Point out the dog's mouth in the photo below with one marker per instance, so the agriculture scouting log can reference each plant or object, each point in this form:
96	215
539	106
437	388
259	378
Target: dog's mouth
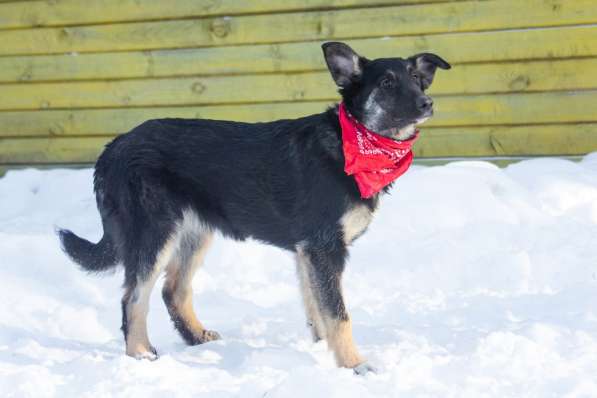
407	130
422	119
425	116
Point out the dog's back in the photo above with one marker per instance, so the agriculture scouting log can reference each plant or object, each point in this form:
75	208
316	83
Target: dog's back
261	180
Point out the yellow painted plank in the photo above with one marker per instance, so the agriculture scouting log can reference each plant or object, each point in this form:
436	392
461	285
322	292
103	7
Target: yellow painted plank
320	25
45	150
571	139
530	108
77	12
57	123
115	121
464	79
562	42
178	91
467	110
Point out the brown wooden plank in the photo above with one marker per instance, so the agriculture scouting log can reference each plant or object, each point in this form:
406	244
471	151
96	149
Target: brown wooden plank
321	25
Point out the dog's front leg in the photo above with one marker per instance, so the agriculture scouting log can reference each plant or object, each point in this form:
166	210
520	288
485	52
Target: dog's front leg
320	268
314	319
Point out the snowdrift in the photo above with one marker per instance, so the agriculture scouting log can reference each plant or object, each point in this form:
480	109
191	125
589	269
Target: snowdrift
472	281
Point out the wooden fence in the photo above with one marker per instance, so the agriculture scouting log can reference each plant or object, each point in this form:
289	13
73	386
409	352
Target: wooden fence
75	73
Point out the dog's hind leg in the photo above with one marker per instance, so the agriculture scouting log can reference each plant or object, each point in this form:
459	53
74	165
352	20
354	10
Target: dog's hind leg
194	240
135	306
323	265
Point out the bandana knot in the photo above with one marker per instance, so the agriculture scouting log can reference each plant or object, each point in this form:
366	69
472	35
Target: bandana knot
373	160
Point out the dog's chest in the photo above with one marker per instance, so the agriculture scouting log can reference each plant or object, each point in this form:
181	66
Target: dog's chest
355	221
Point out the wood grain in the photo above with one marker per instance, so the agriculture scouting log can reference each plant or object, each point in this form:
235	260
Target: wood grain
76	12
466	16
573	139
553	43
467	110
465	79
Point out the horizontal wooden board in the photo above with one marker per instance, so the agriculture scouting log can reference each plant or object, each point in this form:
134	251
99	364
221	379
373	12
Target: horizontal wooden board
469	110
562	42
572	139
464	79
76	12
529	108
320	25
569	139
55	150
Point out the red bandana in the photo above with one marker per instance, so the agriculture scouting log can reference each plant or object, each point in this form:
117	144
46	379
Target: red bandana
374	160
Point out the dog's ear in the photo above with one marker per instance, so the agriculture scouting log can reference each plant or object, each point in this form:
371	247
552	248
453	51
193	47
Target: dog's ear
345	65
425	64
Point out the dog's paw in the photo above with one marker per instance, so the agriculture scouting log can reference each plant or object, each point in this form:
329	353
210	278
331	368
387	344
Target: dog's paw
150	355
211	335
206	336
364	368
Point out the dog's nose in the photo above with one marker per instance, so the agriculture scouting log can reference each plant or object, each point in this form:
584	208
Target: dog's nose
424	103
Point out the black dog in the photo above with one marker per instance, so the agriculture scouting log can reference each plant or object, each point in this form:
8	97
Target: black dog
163	189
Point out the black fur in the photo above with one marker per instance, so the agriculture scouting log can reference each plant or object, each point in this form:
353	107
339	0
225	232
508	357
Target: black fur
180	325
124	303
385	94
91	257
277	182
328	257
281	182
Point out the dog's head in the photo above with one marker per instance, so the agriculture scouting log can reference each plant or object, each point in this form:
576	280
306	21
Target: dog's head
387	95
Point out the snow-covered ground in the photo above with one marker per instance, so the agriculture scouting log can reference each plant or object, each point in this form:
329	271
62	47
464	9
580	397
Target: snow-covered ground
473	281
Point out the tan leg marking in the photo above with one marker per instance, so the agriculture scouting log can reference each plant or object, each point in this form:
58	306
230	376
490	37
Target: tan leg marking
194	240
314	319
337	332
137	341
340	341
178	285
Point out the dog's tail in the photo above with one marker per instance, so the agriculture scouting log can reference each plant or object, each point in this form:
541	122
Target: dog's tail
92	257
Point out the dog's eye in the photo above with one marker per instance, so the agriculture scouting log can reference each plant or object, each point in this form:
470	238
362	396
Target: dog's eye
415	76
387	82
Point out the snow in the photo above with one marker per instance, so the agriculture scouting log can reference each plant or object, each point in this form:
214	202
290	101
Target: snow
472	281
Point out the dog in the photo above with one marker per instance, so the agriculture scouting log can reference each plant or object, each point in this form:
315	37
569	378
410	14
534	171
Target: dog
166	186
